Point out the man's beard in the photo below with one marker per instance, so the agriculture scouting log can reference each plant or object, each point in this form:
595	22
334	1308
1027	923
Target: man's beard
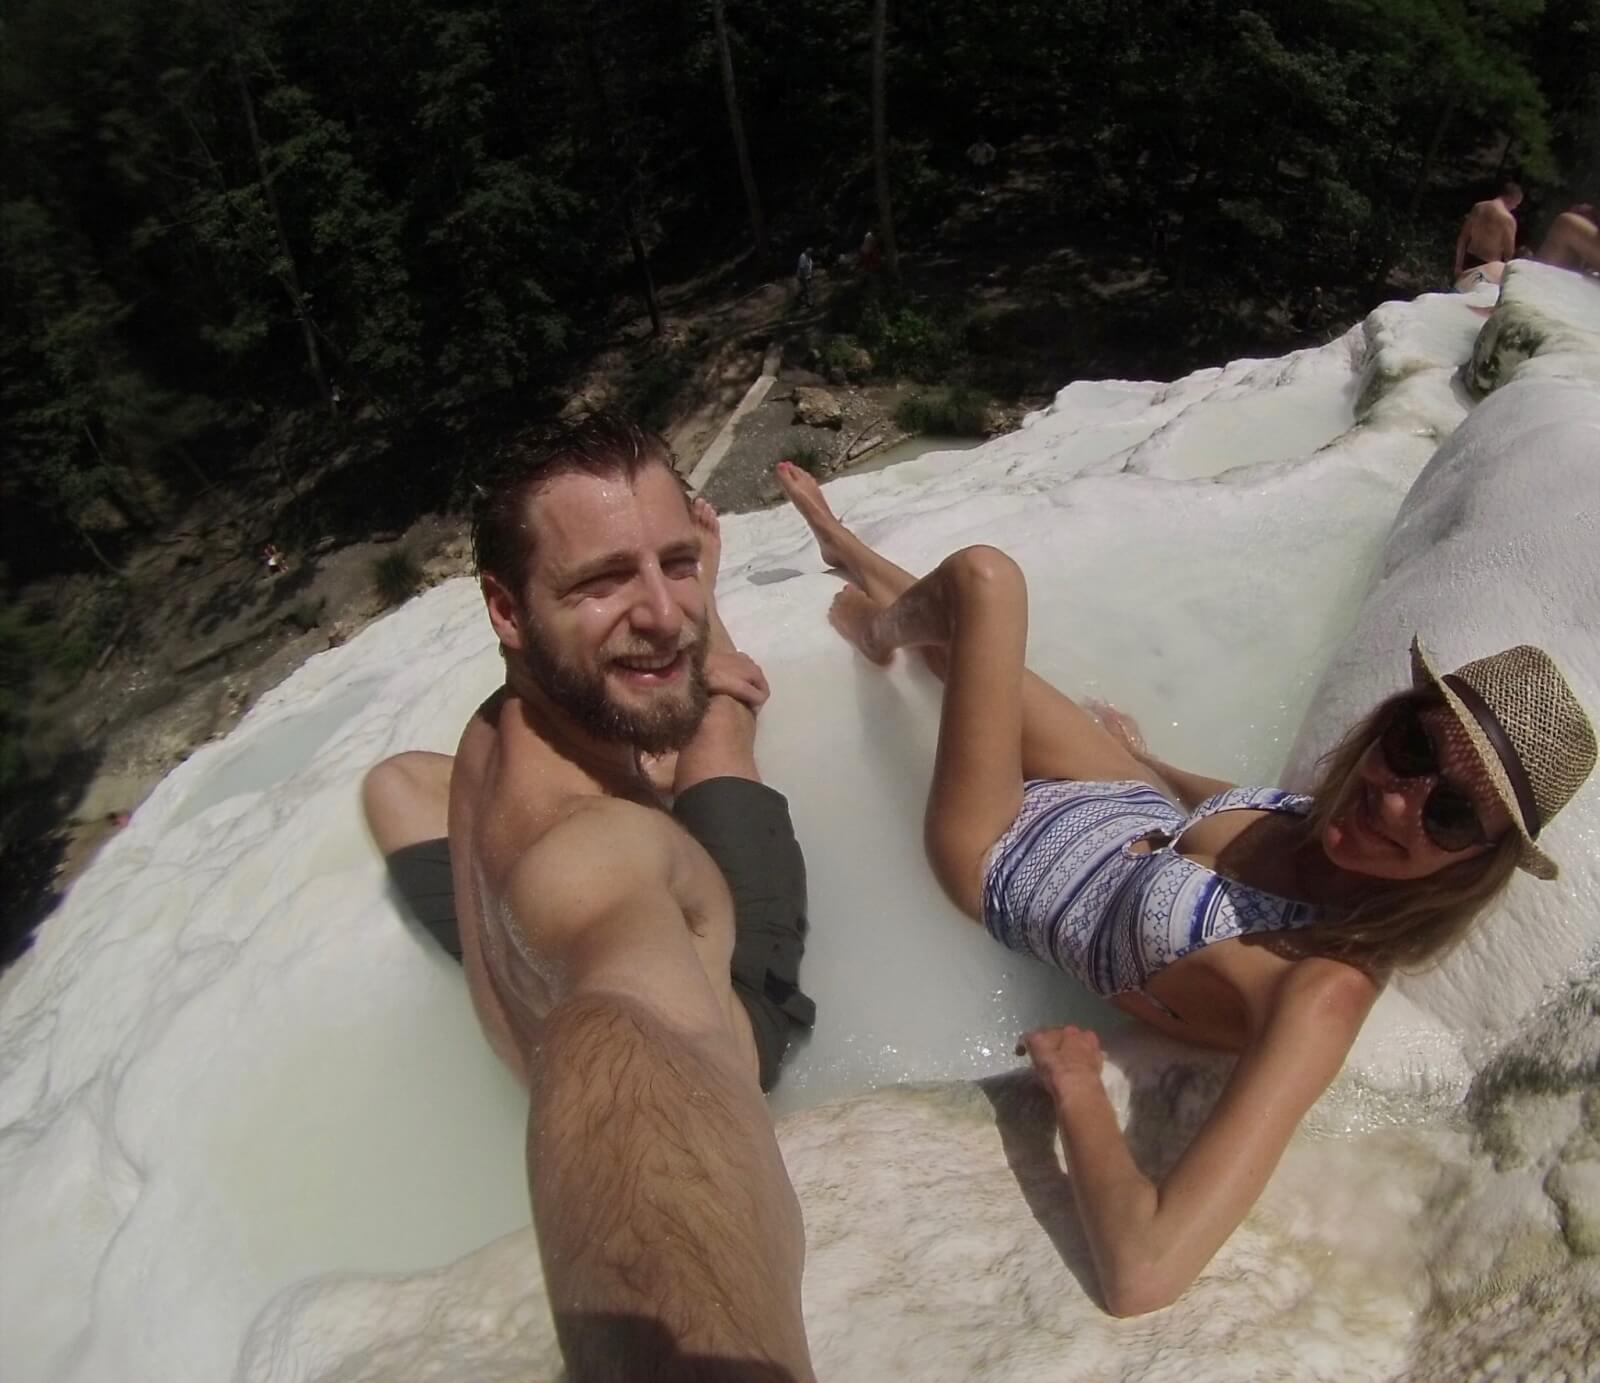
666	723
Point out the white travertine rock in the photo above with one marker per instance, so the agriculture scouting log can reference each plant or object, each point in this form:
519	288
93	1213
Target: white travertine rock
1496	545
1547	326
248	1128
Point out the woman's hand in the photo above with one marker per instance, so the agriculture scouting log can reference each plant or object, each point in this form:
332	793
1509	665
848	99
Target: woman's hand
1121	726
1063	1055
737	675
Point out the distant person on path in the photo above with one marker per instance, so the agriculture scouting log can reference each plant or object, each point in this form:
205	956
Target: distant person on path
635	967
871	257
804	270
274	560
980	154
1488	232
1254	920
1573	240
1314	311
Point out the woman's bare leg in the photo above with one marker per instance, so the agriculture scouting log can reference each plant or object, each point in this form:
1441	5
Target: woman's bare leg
1059	738
973	606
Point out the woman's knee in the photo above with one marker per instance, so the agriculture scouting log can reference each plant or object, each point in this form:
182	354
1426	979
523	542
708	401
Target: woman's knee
985	571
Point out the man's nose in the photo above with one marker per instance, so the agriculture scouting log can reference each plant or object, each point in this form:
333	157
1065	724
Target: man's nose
654	610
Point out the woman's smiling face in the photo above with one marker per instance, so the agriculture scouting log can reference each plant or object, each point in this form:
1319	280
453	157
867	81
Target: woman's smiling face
1393	824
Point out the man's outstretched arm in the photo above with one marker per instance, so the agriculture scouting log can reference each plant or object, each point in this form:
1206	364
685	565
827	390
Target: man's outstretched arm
671	1237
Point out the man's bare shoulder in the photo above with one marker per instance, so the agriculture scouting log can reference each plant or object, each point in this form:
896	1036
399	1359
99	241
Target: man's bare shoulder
583	820
478	736
611	834
508	786
598	854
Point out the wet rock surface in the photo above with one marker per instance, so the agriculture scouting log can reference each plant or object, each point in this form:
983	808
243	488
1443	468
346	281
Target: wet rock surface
229	1066
817	408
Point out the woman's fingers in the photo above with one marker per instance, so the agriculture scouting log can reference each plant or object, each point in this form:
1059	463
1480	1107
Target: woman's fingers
1118	724
1066	1047
737	675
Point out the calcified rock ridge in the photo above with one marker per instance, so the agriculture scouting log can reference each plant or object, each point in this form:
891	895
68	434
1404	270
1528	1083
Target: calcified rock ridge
247	1128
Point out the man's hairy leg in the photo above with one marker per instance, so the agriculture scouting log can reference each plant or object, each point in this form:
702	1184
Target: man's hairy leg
672	1240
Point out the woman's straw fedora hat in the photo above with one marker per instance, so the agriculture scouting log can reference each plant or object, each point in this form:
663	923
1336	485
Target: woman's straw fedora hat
1532	737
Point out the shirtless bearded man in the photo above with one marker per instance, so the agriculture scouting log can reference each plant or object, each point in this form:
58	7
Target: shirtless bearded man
1489	231
599	936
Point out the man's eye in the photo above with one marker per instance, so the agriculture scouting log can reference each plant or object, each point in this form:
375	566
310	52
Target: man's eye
682	566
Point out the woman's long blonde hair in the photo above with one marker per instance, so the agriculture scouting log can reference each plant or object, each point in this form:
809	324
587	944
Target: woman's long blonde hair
1401	925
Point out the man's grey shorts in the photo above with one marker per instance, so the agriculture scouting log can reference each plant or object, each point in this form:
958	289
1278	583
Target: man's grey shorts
745	827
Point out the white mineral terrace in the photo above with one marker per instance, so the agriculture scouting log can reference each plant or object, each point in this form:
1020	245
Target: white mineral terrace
248	1128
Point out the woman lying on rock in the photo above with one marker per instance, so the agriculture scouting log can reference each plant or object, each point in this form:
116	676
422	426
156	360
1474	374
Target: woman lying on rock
1251	919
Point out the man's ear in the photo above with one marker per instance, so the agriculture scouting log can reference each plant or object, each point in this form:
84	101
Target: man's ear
504	609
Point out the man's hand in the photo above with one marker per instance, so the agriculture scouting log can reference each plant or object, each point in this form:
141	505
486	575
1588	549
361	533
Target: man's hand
737	675
1063	1055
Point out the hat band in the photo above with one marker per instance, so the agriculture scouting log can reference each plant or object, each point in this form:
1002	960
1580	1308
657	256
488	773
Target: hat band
1491	727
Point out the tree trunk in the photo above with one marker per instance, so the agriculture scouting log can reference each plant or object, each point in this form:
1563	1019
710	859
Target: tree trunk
290	278
1431	153
758	224
880	141
605	141
1191	221
100	557
1386	260
1505	159
646	278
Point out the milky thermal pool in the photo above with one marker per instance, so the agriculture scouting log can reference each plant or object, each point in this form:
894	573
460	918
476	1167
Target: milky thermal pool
248	1129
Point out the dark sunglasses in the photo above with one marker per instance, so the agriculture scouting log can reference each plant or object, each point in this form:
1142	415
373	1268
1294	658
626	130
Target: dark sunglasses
1449	816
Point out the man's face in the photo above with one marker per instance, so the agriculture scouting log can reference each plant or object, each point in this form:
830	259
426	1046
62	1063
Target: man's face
612	624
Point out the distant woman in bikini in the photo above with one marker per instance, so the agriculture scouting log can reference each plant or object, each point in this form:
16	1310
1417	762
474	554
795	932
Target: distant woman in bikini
1251	919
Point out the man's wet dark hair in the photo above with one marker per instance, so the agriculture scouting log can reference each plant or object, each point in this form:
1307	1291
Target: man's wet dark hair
604	445
1511	189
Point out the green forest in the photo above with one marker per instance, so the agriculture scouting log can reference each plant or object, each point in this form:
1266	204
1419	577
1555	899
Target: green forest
245	237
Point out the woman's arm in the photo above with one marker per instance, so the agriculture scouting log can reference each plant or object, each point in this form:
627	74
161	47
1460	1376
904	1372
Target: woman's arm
1151	1240
1189	788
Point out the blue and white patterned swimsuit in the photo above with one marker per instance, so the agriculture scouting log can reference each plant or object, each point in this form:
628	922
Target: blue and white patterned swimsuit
1063	883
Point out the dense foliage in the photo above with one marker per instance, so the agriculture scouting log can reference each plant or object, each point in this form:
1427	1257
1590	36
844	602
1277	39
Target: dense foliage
217	214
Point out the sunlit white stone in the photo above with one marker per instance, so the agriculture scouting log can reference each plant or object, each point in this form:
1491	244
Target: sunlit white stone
248	1128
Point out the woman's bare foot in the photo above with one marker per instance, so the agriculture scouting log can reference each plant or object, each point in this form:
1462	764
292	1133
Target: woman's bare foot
855	615
806	495
710	526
